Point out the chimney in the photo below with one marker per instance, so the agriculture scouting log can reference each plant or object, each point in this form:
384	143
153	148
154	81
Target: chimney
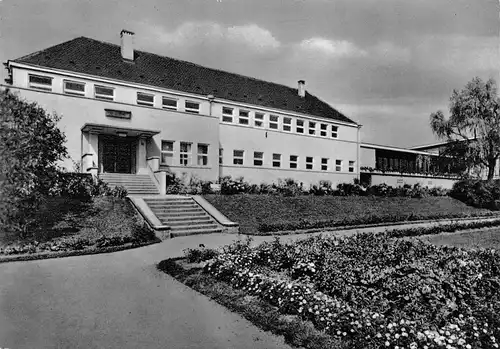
302	88
127	45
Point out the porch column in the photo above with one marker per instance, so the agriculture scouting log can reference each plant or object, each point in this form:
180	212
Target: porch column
141	162
94	151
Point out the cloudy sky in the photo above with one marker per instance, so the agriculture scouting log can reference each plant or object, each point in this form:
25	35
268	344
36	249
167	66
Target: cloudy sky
385	63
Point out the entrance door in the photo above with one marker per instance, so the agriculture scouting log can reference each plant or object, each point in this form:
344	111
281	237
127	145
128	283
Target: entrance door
116	155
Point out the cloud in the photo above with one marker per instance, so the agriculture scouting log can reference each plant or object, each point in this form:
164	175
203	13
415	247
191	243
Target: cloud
331	48
191	34
389	52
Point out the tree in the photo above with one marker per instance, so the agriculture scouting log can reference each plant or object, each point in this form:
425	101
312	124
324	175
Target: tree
473	128
30	147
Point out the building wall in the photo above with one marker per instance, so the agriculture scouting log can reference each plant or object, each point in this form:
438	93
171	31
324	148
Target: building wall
174	126
367	157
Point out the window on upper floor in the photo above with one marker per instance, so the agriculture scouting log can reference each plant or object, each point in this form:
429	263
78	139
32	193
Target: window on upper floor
169	103
104	92
259	119
309	162
145	99
167	152
74	88
192	107
185	154
324	164
40	82
238	157
244	117
294	160
276	160
338	165
287	124
202	154
351	166
227	114
258	158
299	128
312	128
335	131
273	122
323	130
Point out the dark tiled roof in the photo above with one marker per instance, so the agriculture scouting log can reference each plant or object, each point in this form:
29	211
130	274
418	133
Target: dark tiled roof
84	55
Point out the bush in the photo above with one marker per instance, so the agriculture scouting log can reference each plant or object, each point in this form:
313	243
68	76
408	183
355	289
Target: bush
231	186
477	193
289	187
197	255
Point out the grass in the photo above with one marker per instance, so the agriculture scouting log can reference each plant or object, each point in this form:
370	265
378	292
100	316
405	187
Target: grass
489	239
252	211
62	220
296	332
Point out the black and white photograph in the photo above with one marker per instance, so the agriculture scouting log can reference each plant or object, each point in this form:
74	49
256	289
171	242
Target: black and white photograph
250	174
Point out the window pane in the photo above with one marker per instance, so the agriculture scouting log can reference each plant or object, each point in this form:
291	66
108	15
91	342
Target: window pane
227	110
192	107
167	146
74	86
238	153
106	91
42	80
202	149
169	103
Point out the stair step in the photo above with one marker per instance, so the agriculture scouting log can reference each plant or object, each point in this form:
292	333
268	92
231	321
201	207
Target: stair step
194	227
178	233
190	223
167	215
175	209
163	199
206	218
187	205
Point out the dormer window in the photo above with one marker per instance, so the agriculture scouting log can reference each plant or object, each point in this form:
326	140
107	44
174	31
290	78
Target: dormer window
40	82
192	107
103	92
146	99
74	88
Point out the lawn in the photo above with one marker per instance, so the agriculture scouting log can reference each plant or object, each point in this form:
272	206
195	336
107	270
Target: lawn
489	239
64	224
364	291
257	214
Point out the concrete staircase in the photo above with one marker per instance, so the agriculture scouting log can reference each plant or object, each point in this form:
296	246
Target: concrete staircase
135	184
183	215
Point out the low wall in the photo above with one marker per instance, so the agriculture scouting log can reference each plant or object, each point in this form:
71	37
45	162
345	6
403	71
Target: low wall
396	180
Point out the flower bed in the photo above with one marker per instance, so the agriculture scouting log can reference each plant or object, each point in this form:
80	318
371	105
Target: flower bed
372	291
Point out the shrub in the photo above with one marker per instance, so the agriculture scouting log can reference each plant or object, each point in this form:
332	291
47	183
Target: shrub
231	186
323	188
348	189
289	187
119	192
30	147
477	193
197	255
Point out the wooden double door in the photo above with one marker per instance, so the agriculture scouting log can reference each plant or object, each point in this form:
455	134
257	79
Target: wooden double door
117	154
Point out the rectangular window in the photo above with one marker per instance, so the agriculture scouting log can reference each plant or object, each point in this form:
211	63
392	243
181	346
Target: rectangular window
309	162
243	119
323	130
312	128
238	157
273	122
287	124
74	88
259	120
351	166
258	158
338	165
169	103
276	160
335	131
202	154
294	159
299	128
221	156
145	99
167	152
40	82
227	114
103	92
185	154
324	164
192	107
